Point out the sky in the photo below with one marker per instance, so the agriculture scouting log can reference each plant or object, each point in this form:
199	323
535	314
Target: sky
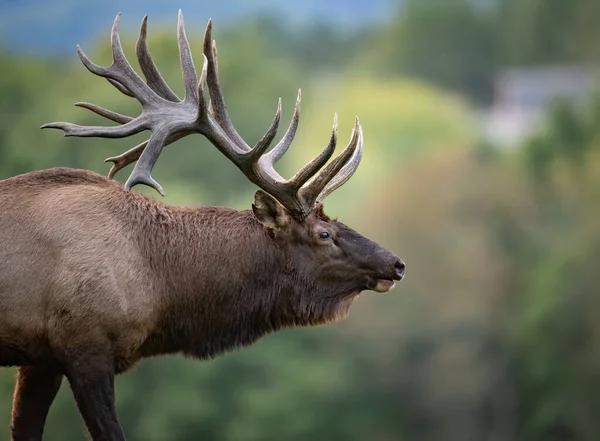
57	26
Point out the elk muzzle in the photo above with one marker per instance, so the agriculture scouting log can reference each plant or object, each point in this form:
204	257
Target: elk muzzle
386	282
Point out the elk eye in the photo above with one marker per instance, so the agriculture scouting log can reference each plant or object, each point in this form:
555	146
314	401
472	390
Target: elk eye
324	235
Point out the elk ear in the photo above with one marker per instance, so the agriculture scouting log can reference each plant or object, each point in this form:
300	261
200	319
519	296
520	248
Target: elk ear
269	212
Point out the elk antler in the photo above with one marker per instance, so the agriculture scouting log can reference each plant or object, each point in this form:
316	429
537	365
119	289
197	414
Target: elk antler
203	111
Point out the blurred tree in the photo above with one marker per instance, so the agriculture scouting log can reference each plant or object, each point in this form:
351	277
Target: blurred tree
23	86
460	44
549	31
556	340
449	42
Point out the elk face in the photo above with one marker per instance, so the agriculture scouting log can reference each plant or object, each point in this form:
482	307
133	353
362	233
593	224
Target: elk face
338	261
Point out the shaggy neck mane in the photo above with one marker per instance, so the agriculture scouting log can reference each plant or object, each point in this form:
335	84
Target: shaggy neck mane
222	278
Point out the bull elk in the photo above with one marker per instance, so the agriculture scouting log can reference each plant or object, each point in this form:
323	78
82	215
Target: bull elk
95	277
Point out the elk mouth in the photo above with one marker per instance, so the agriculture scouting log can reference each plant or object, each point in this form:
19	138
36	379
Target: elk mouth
385	284
380	285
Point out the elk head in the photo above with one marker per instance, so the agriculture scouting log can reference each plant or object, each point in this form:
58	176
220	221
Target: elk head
337	260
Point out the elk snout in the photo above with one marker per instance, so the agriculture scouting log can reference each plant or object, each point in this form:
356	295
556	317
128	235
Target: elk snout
386	279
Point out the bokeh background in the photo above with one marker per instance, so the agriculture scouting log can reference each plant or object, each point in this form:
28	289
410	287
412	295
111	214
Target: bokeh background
481	169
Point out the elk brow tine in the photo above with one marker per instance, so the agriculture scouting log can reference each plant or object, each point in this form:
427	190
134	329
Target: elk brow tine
122	70
108	114
309	170
286	141
219	108
263	144
153	77
190	78
141	173
316	185
346	172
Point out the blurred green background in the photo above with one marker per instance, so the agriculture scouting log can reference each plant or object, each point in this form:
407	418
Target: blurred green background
481	169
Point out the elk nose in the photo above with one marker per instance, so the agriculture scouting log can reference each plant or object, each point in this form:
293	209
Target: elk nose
400	268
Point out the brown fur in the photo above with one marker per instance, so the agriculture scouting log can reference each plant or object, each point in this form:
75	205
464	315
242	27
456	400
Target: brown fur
94	278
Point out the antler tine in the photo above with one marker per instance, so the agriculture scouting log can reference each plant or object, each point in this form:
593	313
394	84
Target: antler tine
124	90
219	109
108	114
347	171
141	173
131	128
311	191
286	141
122	71
190	77
203	97
124	159
240	154
309	170
263	144
97	70
130	156
153	77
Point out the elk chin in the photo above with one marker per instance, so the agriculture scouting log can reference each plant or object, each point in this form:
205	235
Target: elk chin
380	285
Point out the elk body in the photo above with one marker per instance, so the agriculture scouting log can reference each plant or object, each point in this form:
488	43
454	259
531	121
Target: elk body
94	277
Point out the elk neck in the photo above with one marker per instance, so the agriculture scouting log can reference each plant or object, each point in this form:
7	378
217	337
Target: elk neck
222	280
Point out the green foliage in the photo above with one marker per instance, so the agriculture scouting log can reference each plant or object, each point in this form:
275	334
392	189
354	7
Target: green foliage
570	135
556	335
460	44
550	31
451	43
